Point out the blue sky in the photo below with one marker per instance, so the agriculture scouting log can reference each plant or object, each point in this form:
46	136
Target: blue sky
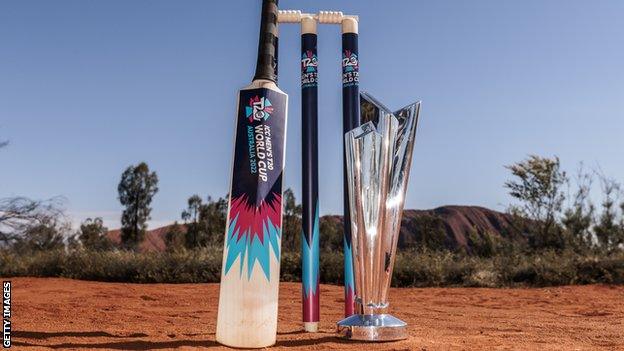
90	87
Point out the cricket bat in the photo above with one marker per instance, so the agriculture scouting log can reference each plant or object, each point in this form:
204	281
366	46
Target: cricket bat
247	313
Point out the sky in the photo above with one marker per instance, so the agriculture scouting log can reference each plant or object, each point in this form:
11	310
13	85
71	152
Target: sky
88	88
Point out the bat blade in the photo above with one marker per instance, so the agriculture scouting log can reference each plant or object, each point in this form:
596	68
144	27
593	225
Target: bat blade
247	314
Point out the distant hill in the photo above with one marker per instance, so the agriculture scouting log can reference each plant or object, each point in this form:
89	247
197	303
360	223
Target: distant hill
458	223
154	239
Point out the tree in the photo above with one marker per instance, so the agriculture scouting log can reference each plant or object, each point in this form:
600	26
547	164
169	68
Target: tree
44	235
195	234
192	211
537	186
93	235
212	217
331	233
427	231
205	222
136	189
174	238
609	231
578	218
483	244
291	222
621	232
19	215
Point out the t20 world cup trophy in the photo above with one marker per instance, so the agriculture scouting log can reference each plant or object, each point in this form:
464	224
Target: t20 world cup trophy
379	154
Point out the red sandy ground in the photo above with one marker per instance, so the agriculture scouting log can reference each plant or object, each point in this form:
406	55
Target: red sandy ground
70	314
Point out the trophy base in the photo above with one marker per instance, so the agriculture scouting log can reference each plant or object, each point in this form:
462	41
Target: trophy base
374	327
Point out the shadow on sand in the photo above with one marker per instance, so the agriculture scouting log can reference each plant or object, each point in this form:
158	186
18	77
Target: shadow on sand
147	345
116	345
126	345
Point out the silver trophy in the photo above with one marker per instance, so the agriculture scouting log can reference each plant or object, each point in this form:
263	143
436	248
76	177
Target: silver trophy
378	155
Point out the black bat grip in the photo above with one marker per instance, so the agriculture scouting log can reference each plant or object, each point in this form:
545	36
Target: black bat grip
266	66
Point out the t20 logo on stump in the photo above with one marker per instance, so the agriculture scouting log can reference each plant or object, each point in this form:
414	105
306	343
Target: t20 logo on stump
350	69
309	67
259	109
349	61
309	62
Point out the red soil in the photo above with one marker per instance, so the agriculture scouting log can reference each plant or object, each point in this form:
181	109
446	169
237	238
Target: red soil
69	314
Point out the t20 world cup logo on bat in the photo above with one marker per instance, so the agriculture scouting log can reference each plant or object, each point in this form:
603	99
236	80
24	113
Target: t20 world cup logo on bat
259	109
254	216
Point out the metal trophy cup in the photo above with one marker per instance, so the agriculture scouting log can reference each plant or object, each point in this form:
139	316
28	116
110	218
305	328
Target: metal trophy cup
378	155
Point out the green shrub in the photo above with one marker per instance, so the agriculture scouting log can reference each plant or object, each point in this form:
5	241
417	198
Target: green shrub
412	268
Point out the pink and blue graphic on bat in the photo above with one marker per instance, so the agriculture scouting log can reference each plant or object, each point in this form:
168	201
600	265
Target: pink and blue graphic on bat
252	230
259	109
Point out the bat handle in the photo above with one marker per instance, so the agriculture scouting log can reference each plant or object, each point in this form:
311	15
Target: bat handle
267	45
